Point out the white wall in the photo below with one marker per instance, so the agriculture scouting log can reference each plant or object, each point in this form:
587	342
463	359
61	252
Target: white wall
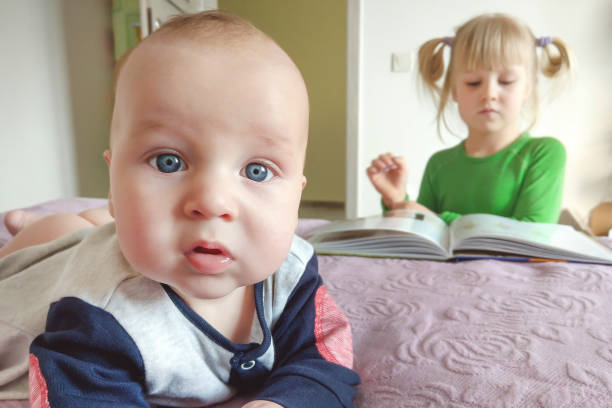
55	99
35	135
395	116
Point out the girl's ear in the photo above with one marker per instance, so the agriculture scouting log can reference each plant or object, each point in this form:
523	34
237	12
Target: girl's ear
530	82
528	90
453	86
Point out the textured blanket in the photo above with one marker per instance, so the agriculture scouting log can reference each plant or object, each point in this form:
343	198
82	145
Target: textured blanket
471	334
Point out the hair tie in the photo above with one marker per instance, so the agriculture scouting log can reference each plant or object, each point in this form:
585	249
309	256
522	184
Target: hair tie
448	40
543	41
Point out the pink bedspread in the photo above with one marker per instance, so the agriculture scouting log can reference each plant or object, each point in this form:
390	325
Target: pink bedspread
473	334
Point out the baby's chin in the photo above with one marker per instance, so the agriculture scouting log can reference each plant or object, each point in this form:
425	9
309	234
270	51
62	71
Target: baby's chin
193	295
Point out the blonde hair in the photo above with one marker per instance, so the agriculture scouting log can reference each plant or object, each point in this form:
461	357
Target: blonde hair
489	41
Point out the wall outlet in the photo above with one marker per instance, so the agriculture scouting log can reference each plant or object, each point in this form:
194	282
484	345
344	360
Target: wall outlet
402	62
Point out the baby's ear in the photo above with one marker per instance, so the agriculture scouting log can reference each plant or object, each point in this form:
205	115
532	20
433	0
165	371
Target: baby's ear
107	159
303	182
111	208
107	156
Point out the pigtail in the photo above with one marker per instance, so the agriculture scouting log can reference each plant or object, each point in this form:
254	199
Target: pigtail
556	63
432	69
431	63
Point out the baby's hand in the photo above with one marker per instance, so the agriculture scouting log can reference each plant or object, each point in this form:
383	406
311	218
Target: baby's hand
262	404
388	175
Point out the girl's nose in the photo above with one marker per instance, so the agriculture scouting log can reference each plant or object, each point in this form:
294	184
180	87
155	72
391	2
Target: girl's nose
208	199
490	90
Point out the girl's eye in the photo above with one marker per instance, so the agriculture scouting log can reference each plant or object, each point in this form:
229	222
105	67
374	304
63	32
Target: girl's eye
167	163
257	172
506	82
473	83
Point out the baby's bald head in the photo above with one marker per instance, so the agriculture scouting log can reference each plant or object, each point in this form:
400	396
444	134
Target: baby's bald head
212	31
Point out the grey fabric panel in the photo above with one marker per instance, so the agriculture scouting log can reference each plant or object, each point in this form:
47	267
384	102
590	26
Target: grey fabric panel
180	361
14	344
279	286
32	278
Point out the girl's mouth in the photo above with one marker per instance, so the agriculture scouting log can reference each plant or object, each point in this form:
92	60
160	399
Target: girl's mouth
488	111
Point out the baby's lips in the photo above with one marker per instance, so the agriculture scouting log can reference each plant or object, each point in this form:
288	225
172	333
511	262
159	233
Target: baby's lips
209	258
210	248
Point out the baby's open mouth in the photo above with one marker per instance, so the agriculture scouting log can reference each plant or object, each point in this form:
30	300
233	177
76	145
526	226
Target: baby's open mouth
211	251
209	257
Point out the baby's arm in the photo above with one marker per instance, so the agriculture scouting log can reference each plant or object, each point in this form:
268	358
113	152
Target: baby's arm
313	348
30	229
85	359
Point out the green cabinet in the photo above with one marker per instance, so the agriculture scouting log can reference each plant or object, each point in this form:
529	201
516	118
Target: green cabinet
126	25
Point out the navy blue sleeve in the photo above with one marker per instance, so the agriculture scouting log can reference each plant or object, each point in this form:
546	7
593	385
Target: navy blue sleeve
85	359
313	349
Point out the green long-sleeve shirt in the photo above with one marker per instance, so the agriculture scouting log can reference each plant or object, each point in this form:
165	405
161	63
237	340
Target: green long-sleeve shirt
523	181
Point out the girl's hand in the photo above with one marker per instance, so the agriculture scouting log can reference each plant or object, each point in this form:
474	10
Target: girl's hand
388	175
412	205
262	404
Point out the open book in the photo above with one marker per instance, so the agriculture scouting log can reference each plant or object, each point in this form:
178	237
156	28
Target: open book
412	234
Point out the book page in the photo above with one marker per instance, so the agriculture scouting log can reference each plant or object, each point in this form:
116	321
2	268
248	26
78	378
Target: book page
494	233
403	221
397	232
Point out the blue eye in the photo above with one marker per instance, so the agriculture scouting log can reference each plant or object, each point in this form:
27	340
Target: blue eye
167	163
257	172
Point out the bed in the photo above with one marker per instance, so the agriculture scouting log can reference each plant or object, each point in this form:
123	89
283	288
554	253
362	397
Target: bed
470	334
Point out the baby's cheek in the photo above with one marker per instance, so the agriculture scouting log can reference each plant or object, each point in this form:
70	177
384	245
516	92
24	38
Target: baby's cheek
141	243
136	250
281	244
269	242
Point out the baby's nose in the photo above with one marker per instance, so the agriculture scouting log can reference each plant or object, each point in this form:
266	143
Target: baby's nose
209	199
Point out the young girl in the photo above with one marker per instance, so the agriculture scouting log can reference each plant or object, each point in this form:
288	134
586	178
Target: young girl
497	169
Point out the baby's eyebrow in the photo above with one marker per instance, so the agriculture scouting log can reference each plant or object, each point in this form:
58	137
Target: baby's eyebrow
149	125
274	139
277	142
271	135
286	144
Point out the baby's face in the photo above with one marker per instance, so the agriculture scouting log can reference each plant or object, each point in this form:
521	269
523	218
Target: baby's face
206	163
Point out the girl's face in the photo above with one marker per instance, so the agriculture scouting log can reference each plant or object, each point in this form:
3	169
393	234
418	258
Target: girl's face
490	100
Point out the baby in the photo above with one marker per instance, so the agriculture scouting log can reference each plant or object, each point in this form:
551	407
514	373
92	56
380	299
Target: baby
199	289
